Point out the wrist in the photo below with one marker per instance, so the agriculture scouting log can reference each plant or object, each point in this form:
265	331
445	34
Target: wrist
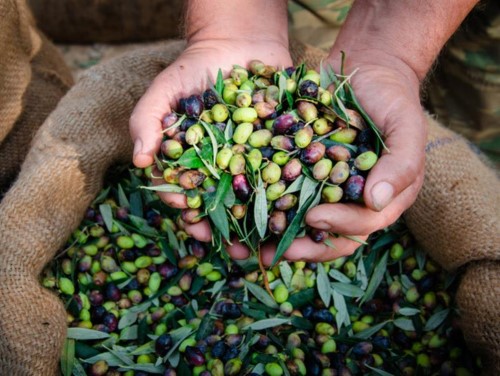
237	21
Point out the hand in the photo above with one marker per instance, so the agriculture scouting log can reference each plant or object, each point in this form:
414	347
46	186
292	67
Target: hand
190	74
389	92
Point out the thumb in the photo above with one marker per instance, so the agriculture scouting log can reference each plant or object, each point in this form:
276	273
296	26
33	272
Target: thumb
146	123
402	165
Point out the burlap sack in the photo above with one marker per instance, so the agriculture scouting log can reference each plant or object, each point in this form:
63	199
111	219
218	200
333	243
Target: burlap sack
81	139
32	80
92	21
480	307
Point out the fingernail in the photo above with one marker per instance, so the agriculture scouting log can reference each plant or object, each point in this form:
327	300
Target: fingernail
382	195
137	147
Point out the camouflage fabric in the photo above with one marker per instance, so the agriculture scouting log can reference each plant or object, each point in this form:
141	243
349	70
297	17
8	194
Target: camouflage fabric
464	89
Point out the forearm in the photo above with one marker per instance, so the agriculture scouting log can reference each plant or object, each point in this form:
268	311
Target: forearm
236	20
411	31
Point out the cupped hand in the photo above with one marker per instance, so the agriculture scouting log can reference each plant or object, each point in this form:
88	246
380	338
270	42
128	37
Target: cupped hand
388	91
190	74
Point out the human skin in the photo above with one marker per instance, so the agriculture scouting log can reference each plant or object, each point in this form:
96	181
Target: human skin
391	45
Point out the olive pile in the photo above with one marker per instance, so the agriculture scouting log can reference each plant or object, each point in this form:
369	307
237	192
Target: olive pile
144	299
261	147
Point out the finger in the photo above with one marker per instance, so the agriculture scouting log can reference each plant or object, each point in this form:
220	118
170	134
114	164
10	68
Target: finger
396	170
200	231
174	200
237	250
304	249
146	122
352	218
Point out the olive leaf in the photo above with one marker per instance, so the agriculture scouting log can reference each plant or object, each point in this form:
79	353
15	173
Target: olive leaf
85	334
339	276
405	324
168	188
260	208
379	371
323	285
190	159
267	323
436	319
107	215
222	189
68	357
309	187
261	294
286	273
295	186
122	197
376	278
368	332
347	289
219	83
408	311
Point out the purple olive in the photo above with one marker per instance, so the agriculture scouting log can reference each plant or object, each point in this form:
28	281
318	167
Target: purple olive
163	344
292	170
277	222
194	356
308	88
193	106
313	153
241	187
209	98
354	187
191	179
283	123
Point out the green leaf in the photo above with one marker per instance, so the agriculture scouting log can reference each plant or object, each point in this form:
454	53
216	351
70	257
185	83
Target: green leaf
292	230
323	285
261	294
347	289
219	83
339	276
85	334
145	367
408	311
368	332
142	225
342	316
379	371
122	198
228	131
111	359
301	323
301	298
222	189
281	86
128	319
286	273
436	319
122	355
404	324
260	209
309	187
169	188
295	186
229	198
219	219
103	195
206	154
68	357
190	159
78	369
136	204
129	333
107	215
420	256
361	274
267	323
376	278
213	140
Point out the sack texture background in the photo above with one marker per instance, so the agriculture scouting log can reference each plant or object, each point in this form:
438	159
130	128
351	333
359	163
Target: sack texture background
88	132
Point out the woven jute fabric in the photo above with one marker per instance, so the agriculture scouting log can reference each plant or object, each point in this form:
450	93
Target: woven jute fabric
479	309
456	216
50	80
81	139
105	21
62	173
20	42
